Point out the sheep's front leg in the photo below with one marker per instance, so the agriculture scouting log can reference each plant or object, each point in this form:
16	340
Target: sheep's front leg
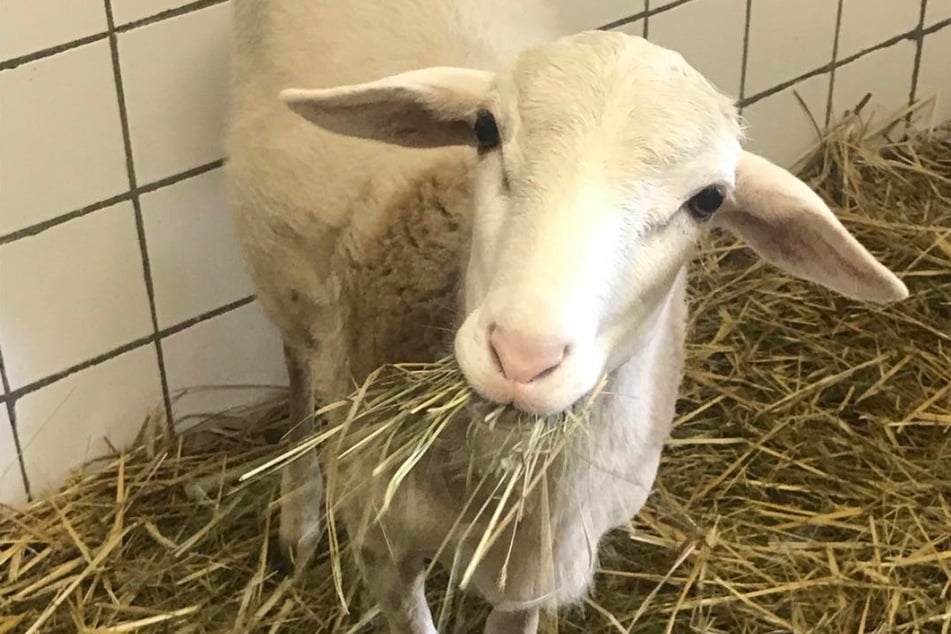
302	486
399	588
518	622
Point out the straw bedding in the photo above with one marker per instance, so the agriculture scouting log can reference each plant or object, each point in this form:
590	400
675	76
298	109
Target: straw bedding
806	487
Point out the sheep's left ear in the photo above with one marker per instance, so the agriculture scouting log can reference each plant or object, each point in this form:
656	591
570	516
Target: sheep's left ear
429	107
790	226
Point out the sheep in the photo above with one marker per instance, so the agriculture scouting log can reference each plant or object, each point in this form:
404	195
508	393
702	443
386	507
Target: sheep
415	176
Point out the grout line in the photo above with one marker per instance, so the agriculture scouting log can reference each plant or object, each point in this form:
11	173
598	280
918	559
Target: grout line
179	177
40	227
746	51
13	62
669	6
919	49
631	18
46	381
835	58
211	314
4	381
168	13
647	8
18	446
12	415
646	14
137	206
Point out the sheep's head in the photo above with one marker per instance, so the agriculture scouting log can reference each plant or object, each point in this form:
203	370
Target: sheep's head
602	158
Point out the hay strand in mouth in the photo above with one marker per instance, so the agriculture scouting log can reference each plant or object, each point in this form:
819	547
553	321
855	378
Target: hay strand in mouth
402	412
786	501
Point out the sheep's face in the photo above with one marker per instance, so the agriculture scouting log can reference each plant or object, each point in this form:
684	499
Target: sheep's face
601	159
582	215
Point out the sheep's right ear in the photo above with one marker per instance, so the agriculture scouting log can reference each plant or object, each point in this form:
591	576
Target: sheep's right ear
430	107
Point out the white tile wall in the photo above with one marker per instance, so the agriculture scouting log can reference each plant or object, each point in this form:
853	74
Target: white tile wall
688	28
72	231
125	11
788	39
865	24
171	132
60	140
77	419
579	16
71	293
884	74
780	128
936	11
27	26
240	349
934	77
197	264
12	490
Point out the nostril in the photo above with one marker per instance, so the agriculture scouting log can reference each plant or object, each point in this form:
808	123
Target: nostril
525	358
546	371
494	351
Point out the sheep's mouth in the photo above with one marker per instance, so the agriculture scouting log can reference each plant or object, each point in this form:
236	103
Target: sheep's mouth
484	411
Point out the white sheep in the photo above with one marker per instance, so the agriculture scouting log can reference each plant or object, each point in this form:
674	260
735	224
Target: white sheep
455	166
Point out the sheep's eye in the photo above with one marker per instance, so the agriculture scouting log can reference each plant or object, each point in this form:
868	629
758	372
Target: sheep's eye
486	131
705	202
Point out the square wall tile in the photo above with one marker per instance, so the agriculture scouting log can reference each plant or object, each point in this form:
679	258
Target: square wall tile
60	137
688	28
197	263
12	491
177	100
934	75
223	363
937	11
125	11
788	39
70	293
779	128
28	26
582	16
866	24
886	74
68	423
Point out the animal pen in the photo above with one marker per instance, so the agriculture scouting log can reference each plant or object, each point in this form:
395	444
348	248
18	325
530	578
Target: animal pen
805	487
145	426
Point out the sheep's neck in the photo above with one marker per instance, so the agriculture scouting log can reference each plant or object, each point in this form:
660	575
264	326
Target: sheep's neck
406	273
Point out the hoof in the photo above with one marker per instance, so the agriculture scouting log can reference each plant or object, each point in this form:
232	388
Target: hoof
279	562
272	436
287	561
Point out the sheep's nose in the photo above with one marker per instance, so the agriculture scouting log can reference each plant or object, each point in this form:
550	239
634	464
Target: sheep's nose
524	358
